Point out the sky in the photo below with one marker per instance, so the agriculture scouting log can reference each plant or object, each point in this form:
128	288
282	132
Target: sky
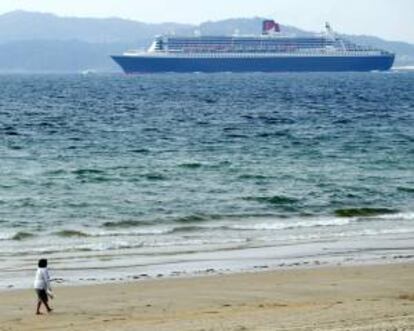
389	19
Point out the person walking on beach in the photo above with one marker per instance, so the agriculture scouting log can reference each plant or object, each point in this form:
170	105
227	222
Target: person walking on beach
42	286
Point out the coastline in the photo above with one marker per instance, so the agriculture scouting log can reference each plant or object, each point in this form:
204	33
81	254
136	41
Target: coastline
89	268
368	297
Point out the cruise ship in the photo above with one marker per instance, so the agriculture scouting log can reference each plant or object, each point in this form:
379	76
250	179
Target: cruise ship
272	51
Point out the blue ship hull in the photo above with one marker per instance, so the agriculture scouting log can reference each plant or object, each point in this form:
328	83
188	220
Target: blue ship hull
158	64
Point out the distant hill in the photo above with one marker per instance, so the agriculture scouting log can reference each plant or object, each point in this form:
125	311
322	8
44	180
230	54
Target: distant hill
22	25
39	42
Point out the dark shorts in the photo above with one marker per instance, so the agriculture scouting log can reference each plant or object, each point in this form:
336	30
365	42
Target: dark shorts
42	295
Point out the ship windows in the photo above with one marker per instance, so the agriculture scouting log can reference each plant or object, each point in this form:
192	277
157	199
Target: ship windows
250	44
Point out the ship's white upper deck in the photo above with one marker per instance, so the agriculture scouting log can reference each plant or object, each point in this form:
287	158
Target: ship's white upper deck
271	42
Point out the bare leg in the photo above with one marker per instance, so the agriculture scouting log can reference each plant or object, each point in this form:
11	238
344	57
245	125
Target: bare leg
47	306
39	303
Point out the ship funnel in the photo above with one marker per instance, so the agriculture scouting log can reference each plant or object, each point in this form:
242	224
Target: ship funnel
270	27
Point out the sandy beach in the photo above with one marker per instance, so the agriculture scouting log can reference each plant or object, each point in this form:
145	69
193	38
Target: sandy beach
326	298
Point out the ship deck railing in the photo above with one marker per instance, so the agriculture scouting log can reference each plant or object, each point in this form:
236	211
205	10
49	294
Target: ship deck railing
302	53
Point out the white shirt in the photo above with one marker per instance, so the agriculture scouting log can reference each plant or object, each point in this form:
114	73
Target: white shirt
42	279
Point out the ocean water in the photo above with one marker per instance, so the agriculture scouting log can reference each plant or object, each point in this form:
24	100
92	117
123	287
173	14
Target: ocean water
126	177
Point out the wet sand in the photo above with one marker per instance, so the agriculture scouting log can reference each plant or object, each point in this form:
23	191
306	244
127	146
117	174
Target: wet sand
325	298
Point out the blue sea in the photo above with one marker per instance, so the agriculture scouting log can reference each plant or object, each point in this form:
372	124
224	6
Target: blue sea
117	178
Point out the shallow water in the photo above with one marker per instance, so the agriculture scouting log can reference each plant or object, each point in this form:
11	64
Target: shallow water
112	176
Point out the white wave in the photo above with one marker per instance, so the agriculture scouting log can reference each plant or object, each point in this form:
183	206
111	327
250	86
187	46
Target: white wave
141	232
14	235
347	234
7	236
403	216
292	224
403	68
370	232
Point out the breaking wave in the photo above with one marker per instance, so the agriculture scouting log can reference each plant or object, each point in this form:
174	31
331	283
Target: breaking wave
359	212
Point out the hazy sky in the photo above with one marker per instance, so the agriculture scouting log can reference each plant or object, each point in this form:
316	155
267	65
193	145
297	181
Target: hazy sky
390	19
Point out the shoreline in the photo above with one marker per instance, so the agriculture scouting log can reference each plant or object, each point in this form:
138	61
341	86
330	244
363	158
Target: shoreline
125	267
366	297
170	274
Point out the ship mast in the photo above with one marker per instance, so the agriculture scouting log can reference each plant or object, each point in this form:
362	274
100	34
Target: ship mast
329	31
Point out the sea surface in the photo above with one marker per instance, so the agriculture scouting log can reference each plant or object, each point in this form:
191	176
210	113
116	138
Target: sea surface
115	177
